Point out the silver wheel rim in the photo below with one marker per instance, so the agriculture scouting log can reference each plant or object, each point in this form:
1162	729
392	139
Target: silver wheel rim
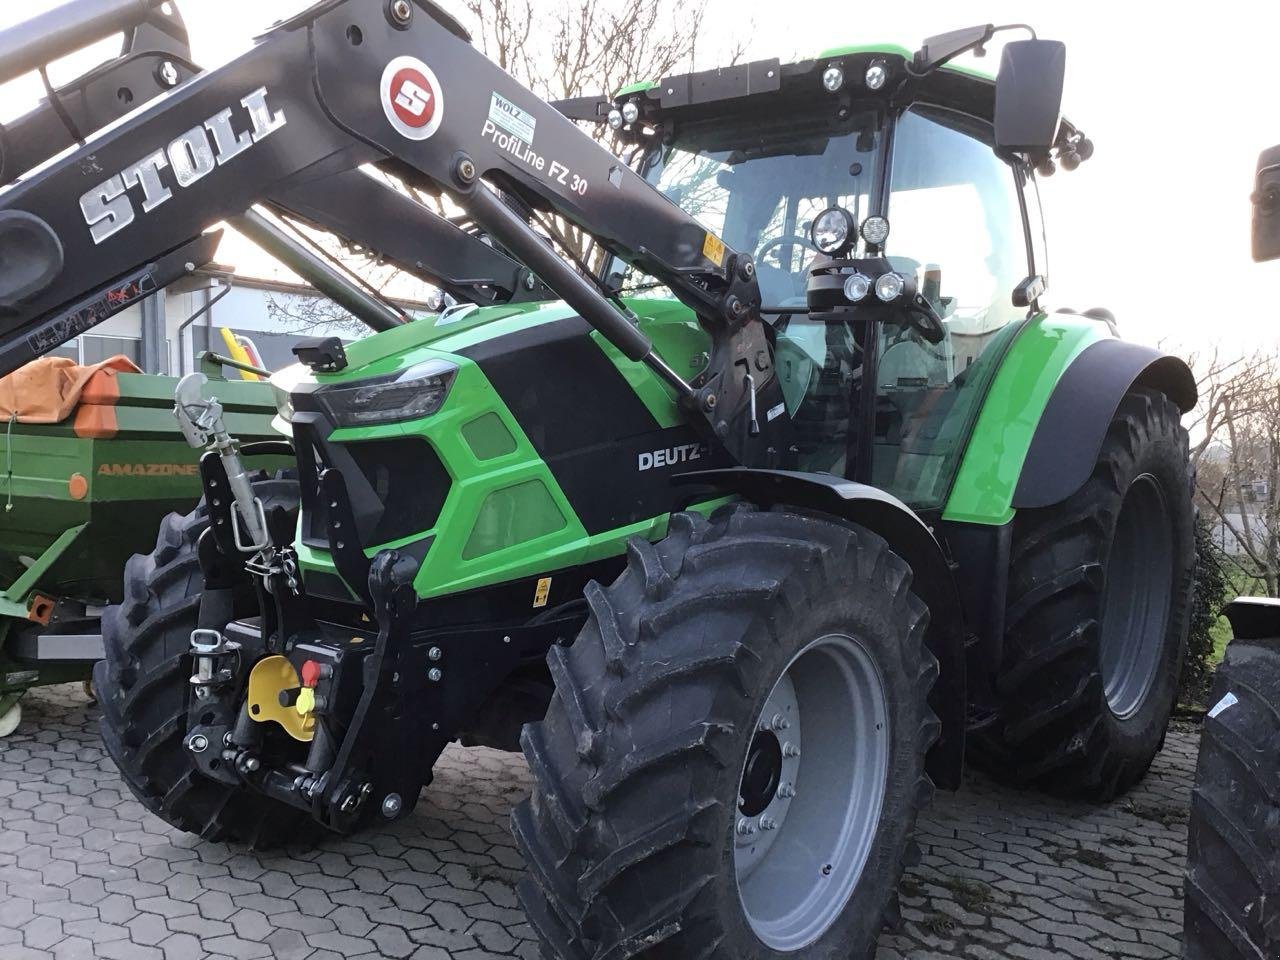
798	859
1136	598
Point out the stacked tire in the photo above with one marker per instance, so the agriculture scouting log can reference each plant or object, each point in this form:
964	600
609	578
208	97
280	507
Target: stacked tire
1233	849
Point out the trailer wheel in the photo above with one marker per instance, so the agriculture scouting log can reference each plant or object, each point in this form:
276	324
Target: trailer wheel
143	686
1095	628
733	761
1233	851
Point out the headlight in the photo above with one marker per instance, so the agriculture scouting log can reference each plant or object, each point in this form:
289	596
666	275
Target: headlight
417	392
857	287
832	231
889	286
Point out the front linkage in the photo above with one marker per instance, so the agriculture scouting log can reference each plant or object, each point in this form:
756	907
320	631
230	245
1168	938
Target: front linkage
377	699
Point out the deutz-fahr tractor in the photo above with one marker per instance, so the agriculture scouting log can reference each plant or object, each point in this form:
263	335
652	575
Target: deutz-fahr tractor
744	541
1233	847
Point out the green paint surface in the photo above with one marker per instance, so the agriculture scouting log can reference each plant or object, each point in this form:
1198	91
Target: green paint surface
997	448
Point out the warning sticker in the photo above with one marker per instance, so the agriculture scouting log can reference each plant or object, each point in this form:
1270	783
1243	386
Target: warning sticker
542	592
713	249
1226	703
516	121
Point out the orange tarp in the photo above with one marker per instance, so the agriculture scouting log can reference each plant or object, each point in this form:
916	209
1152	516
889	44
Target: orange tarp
49	389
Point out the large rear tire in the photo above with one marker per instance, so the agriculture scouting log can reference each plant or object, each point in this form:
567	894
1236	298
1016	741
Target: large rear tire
1099	594
674	813
144	688
1233	850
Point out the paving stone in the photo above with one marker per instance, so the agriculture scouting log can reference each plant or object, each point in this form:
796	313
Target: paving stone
86	873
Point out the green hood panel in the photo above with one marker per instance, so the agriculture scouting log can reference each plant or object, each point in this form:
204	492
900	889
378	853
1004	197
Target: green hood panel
504	517
1044	348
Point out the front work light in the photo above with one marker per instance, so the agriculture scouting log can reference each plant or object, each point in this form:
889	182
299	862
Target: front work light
889	286
876	75
832	231
615	119
857	287
416	392
875	230
833	78
630	111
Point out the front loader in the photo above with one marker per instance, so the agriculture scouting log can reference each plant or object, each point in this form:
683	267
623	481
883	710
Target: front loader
743	541
82	495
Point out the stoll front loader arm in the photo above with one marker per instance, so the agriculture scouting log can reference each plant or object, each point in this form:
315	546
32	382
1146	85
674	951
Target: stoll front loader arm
154	59
390	82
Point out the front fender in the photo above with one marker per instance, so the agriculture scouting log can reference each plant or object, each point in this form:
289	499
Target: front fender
906	533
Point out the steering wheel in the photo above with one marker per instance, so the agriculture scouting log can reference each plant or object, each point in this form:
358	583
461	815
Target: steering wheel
794	240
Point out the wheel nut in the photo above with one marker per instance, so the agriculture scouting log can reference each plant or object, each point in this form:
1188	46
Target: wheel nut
198	743
786	791
780	722
790	750
768	823
745	827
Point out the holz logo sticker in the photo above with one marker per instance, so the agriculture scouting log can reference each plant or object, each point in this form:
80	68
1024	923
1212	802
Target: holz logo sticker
411	98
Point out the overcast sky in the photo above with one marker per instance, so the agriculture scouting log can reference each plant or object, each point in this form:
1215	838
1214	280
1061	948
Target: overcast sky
1155	226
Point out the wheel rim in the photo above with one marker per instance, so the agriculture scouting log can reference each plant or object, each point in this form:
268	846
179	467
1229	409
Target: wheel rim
812	789
1135	606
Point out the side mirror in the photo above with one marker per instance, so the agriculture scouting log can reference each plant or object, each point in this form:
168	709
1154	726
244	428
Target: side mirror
1029	95
1266	207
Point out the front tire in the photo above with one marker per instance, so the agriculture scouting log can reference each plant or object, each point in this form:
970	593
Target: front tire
144	690
1096	624
736	662
1233	849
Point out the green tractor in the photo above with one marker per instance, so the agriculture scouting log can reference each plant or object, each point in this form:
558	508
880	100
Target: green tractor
1233	846
741	610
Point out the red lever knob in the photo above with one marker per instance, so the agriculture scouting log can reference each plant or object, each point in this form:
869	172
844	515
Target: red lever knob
310	673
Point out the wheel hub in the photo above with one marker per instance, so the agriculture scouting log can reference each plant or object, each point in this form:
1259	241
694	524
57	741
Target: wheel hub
809	809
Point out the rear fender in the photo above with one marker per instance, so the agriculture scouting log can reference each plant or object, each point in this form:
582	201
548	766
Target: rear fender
1070	432
906	533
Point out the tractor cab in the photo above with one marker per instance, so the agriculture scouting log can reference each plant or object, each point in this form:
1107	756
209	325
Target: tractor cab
898	248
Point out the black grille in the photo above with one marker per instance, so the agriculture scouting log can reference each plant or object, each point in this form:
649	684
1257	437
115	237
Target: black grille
397	487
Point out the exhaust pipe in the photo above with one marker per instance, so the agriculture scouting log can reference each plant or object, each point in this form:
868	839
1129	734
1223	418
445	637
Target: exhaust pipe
30	45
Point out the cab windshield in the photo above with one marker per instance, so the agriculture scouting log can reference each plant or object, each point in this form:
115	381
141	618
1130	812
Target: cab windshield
759	190
956	225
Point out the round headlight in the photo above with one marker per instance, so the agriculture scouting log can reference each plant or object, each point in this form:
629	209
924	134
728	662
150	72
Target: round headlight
630	111
833	79
875	230
832	231
857	287
876	75
889	286
615	119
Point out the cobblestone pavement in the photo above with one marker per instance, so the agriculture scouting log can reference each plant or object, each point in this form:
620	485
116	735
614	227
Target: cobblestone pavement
86	872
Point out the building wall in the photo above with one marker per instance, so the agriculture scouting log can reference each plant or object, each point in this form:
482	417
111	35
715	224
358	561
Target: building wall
246	309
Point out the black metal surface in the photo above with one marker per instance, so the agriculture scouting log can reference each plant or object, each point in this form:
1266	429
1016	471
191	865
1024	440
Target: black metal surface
23	344
1254	618
1070	432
